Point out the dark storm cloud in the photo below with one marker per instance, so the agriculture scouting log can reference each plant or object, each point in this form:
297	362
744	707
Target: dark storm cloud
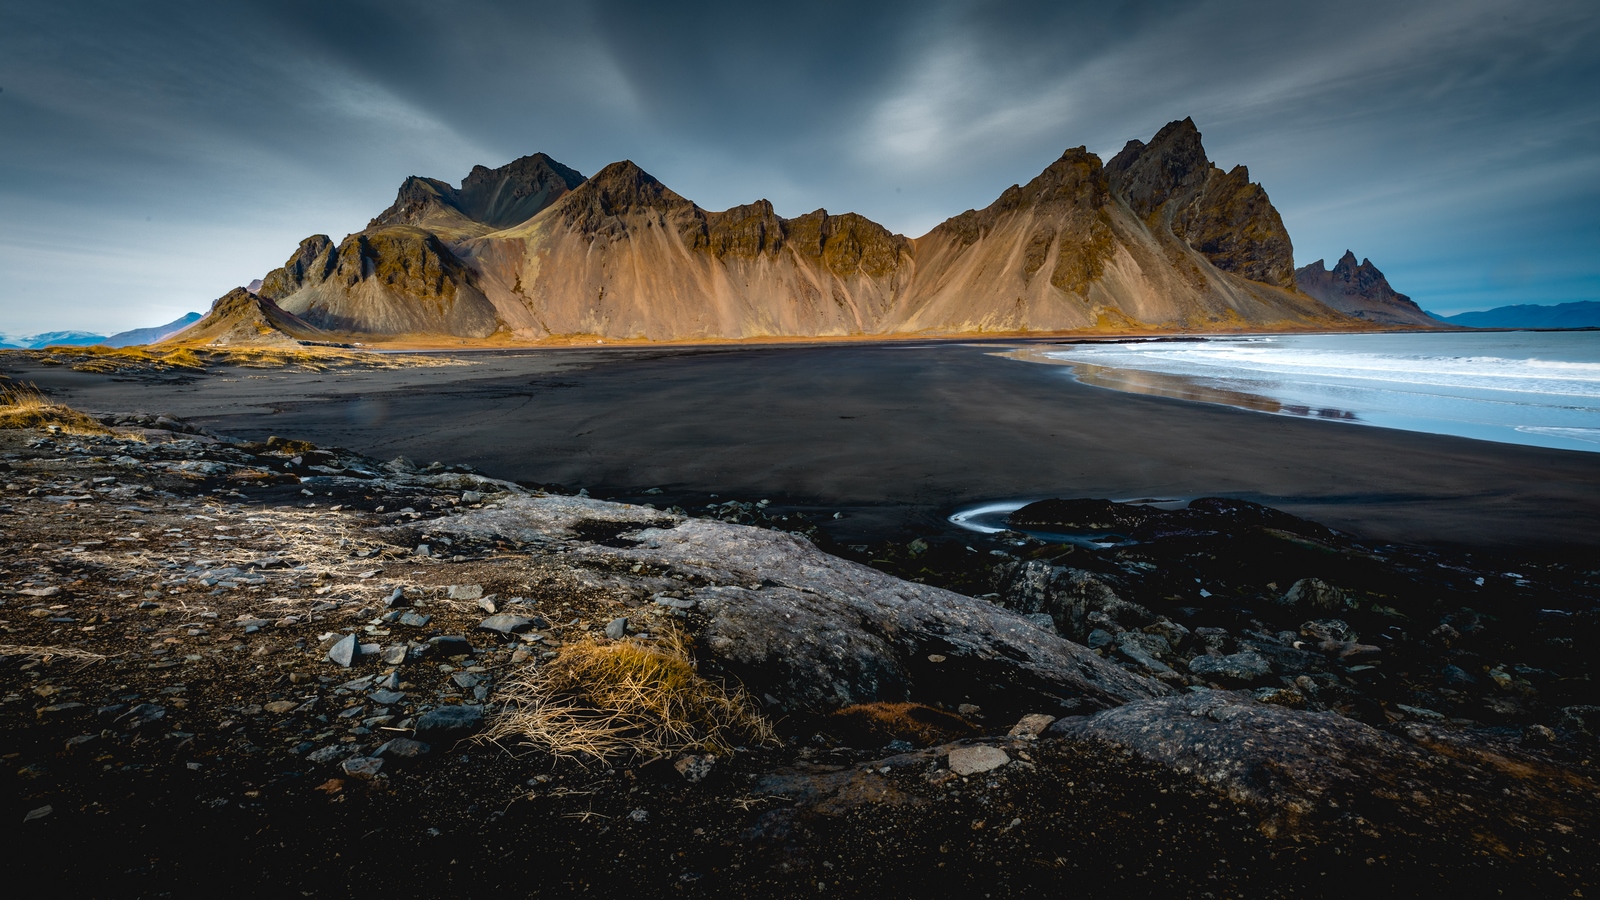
153	155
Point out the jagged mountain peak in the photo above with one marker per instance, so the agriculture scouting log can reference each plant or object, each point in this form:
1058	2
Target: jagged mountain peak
616	190
1173	186
625	180
515	192
1360	290
491	198
1174	163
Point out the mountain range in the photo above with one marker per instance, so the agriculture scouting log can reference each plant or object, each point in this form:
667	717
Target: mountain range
50	339
90	339
1582	314
1158	238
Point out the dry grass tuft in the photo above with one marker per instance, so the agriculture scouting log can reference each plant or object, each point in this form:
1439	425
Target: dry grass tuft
108	360
627	699
25	406
876	724
46	654
166	357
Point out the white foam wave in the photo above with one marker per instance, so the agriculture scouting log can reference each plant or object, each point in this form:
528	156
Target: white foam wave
1242	359
1588	435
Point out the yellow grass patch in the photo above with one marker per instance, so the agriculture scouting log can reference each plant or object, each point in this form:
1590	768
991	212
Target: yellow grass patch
626	699
166	357
25	406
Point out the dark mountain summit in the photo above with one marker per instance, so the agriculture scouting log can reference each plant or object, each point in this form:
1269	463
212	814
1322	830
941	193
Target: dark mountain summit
1170	184
1360	291
496	198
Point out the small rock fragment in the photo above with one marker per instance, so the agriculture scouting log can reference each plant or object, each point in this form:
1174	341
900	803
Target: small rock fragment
403	748
1316	595
505	623
141	716
344	652
976	759
465	591
695	769
450	645
1031	725
36	814
449	723
361	766
617	628
328	754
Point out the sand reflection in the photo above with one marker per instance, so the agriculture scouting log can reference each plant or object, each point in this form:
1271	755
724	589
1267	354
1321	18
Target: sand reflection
1161	384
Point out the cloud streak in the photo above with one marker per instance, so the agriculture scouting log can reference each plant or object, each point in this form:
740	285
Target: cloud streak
154	155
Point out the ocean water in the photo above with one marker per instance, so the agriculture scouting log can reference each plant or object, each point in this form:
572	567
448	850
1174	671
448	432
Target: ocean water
1540	388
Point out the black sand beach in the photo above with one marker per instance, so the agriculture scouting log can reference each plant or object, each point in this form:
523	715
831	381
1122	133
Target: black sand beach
895	436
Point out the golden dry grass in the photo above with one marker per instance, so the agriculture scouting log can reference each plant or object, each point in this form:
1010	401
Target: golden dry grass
46	654
875	724
25	406
167	357
598	701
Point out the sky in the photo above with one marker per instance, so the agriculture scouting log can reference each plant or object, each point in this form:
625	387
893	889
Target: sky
154	155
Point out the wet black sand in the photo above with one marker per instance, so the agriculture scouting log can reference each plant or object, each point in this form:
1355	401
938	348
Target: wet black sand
896	437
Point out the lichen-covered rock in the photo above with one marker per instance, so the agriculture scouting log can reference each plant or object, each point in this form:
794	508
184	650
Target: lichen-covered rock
1310	768
1067	595
1235	669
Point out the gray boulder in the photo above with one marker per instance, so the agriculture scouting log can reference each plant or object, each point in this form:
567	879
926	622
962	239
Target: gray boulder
1244	668
1304	769
1067	595
1148	651
1313	595
813	632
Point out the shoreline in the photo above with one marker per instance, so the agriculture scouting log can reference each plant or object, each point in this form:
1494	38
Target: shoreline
894	438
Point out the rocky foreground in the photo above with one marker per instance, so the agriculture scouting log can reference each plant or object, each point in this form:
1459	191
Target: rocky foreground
270	668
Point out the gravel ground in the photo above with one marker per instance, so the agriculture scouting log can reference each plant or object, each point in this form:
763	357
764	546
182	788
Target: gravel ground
171	724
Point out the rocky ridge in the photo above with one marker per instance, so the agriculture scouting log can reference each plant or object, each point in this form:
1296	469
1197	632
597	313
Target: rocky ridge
1158	238
240	318
1360	290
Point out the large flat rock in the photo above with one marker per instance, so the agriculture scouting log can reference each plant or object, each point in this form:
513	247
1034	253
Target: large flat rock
810	632
1314	772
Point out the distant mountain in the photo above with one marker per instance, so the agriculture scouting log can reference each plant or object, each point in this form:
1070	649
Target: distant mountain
1582	314
1361	291
51	339
151	335
1158	238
